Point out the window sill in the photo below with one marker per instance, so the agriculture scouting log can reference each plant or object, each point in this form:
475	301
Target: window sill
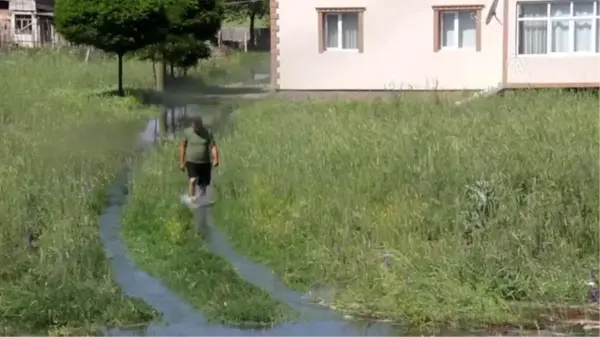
341	50
559	55
458	50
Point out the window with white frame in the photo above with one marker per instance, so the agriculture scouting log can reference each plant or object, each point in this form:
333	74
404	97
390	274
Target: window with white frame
341	31
458	29
23	24
558	27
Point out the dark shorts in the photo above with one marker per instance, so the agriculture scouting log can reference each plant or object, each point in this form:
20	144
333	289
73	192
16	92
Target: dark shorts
200	171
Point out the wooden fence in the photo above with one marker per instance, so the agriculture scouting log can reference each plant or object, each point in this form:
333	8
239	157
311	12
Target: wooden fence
239	38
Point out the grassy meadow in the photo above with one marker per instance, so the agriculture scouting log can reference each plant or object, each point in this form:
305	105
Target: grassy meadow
160	235
159	232
62	144
421	212
235	67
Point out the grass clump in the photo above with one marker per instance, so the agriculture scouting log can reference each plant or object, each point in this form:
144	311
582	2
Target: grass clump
159	233
422	212
62	143
233	67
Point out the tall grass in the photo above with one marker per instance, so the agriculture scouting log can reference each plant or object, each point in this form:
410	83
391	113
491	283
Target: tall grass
234	67
416	211
62	143
161	238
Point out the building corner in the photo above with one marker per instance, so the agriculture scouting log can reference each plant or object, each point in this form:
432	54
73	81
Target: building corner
274	40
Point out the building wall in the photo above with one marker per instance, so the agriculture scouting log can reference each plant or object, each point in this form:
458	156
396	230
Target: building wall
550	70
47	5
22	5
398	49
25	39
5	32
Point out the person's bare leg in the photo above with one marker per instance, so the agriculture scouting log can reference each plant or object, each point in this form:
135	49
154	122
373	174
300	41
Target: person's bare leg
192	188
202	190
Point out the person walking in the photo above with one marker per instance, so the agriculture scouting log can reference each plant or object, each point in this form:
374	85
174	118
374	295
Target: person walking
198	154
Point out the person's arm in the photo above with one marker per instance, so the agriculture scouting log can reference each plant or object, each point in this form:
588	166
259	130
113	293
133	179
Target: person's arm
214	151
182	147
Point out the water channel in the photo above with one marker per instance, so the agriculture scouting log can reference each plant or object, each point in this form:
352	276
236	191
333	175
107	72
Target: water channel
179	318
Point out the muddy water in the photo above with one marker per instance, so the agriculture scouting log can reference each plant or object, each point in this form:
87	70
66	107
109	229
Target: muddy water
181	319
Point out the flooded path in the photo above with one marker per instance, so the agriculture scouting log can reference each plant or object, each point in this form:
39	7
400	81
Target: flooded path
179	318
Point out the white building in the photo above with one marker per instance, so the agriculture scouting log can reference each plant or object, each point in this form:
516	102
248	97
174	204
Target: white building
337	45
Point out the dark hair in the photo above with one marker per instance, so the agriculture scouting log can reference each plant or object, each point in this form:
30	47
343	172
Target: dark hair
196	121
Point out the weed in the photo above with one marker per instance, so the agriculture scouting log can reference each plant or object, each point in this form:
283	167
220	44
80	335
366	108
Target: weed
328	193
159	233
62	143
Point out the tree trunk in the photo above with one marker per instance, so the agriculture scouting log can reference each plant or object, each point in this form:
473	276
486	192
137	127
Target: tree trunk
173	119
252	32
161	76
154	70
160	87
165	76
165	121
120	90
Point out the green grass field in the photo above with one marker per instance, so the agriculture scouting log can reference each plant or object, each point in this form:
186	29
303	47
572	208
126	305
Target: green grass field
234	68
420	212
62	143
159	233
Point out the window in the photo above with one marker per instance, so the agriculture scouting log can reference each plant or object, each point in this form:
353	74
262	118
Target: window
559	27
341	29
23	24
457	30
457	27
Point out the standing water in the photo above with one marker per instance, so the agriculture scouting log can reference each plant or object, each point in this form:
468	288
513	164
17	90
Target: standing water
179	318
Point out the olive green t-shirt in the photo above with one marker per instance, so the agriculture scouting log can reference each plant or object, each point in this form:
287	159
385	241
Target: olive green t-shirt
198	145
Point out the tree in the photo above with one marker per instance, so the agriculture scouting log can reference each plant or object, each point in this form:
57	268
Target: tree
177	51
114	26
190	24
240	10
200	18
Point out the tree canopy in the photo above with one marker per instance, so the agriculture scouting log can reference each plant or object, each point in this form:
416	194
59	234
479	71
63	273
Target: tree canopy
200	18
190	24
181	51
240	10
176	29
113	26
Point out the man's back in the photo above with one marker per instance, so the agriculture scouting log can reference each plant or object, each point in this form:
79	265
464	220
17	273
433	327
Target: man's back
198	142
